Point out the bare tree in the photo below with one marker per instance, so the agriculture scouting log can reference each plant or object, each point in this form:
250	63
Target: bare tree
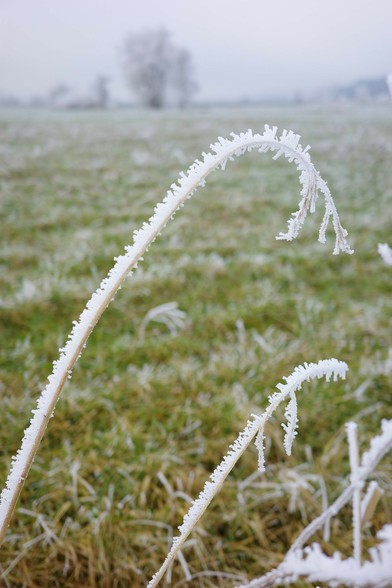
156	69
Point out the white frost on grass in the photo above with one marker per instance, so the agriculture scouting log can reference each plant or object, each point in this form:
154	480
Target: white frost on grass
386	252
318	567
168	313
290	429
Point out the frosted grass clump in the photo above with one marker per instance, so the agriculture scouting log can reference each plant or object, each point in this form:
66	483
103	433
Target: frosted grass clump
222	151
328	368
318	567
311	562
168	314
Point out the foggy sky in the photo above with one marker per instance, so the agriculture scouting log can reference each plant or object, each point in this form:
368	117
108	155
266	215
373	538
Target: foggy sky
240	48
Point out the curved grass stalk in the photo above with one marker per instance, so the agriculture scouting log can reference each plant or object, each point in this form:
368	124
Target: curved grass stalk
222	151
379	446
254	428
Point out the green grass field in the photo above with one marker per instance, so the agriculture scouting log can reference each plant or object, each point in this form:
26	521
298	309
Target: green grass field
143	422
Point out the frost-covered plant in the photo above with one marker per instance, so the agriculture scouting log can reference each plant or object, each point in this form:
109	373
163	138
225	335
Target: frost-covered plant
169	314
386	253
221	152
254	430
318	567
311	562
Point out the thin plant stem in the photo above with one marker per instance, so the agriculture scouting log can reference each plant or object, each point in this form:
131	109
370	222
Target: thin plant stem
352	437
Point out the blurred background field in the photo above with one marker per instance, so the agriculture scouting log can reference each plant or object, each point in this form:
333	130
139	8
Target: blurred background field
147	416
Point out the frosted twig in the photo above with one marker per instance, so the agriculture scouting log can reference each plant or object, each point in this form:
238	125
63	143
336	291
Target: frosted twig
222	151
330	368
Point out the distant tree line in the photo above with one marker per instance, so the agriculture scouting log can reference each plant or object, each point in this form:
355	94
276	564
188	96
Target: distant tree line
158	72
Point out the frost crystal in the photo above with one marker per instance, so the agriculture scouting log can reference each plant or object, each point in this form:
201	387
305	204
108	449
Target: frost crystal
318	567
291	414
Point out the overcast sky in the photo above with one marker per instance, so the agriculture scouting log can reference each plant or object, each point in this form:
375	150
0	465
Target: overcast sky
240	48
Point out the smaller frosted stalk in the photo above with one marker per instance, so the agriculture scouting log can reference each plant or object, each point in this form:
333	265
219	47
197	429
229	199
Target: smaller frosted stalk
352	438
328	368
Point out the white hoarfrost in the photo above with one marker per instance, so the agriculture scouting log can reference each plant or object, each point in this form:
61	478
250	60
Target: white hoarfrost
318	567
168	313
221	152
290	429
386	252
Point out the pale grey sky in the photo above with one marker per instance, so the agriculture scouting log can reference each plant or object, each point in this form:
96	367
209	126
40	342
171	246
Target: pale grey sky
240	48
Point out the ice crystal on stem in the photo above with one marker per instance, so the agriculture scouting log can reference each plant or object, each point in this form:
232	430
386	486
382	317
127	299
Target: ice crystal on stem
292	422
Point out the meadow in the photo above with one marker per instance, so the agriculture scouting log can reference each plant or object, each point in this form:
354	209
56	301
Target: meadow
153	406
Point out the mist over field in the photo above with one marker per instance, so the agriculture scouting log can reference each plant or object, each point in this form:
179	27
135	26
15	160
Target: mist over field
250	51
